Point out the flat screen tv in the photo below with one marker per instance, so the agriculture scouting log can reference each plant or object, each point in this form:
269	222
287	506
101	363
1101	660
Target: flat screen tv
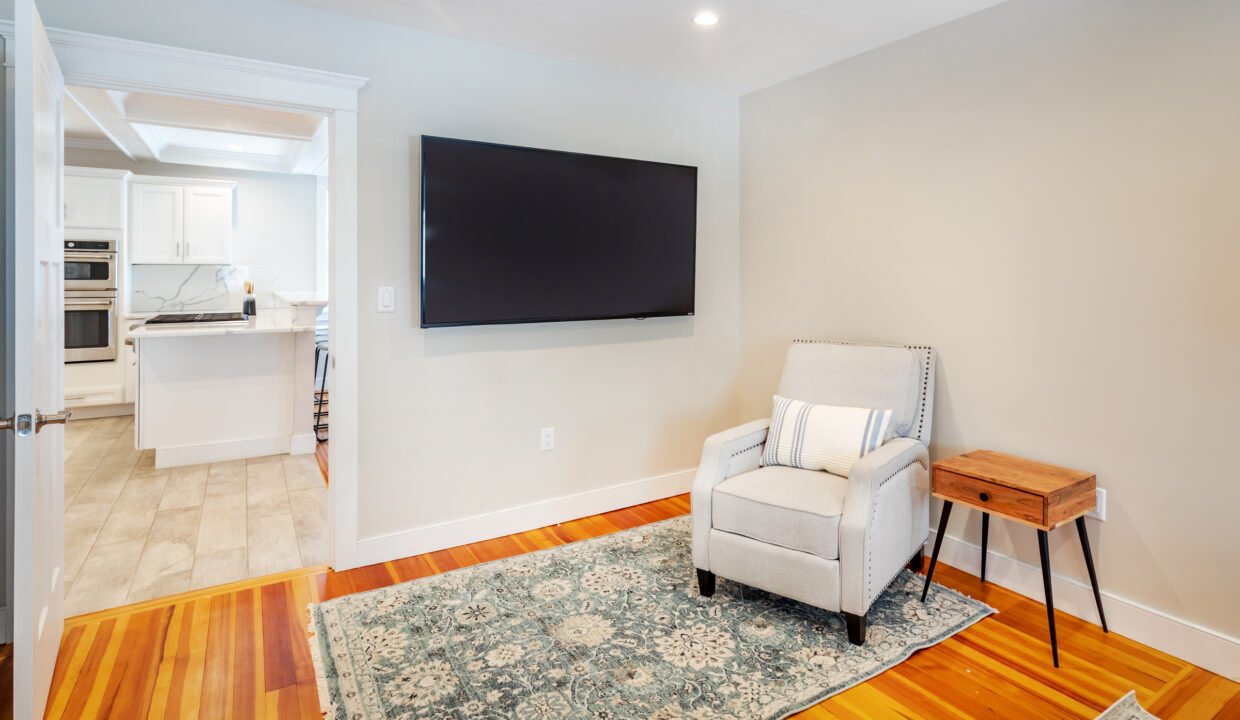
521	235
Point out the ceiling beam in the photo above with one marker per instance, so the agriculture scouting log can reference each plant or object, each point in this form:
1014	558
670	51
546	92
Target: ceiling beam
105	110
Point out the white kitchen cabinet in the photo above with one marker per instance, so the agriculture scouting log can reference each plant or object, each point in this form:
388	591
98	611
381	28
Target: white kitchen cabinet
175	222
95	198
156	223
208	225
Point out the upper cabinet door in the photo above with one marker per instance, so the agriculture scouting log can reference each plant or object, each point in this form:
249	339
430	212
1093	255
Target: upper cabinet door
156	223
208	225
95	203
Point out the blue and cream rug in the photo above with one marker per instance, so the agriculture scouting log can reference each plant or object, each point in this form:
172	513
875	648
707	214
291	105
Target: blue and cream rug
608	629
1126	708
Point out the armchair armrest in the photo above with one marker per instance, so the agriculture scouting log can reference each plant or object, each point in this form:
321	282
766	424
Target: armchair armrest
724	454
886	518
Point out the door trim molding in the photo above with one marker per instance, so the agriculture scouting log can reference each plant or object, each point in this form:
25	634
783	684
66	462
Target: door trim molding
120	64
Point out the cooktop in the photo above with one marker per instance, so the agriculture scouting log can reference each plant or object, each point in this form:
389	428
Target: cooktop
196	318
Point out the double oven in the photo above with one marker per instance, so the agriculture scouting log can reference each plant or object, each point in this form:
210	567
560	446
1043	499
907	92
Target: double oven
90	301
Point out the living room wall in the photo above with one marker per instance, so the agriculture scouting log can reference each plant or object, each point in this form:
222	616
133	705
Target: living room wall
1046	192
451	417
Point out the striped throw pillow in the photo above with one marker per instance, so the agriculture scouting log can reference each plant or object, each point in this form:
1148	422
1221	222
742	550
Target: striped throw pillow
823	437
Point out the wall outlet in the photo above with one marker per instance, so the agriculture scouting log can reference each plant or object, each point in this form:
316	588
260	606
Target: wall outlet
546	439
1100	512
387	299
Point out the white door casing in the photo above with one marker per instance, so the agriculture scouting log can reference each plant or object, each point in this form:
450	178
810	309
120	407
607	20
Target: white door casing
38	533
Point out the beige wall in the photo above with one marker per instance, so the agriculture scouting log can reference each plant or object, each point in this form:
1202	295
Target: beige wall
1049	193
451	417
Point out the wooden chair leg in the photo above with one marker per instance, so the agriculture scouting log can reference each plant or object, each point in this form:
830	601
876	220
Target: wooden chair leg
856	628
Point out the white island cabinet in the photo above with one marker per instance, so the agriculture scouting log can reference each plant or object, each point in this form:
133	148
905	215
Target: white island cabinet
207	393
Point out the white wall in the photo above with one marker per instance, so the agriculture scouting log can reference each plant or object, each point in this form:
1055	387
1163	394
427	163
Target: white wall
450	417
1046	192
274	239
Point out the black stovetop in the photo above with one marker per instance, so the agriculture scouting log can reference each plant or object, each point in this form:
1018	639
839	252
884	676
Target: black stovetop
196	318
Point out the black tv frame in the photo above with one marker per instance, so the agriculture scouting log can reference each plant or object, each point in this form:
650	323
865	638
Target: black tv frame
531	321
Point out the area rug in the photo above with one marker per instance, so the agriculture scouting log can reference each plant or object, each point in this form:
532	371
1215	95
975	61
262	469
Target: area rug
1126	708
609	629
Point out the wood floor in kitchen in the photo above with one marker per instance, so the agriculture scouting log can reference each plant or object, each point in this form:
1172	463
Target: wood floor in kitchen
133	532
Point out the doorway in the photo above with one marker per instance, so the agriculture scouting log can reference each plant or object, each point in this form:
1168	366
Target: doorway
203	210
123	66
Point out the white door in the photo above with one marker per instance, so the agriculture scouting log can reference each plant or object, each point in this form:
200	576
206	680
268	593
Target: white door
38	336
156	223
208	225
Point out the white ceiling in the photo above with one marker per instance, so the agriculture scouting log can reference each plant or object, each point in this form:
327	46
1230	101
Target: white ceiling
146	126
757	43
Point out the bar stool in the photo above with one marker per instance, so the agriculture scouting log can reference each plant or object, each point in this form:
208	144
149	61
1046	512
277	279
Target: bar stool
320	395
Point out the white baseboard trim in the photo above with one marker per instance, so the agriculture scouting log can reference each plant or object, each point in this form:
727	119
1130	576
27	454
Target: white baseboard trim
302	444
1199	645
429	538
219	452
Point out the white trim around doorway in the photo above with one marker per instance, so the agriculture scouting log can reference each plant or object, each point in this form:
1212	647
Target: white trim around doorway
120	64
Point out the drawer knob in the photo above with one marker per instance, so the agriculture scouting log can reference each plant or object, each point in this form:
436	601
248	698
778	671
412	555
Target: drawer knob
984	497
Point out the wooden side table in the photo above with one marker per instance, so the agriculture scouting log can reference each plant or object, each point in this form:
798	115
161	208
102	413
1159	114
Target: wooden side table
1029	492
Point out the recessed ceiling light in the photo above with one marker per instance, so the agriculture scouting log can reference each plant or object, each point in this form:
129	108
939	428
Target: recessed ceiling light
706	18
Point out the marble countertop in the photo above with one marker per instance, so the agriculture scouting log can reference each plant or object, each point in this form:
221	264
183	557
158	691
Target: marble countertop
266	321
297	297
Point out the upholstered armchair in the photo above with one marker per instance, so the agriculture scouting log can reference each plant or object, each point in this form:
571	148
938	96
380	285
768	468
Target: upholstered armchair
832	542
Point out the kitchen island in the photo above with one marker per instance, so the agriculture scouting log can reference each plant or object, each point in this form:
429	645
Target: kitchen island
208	392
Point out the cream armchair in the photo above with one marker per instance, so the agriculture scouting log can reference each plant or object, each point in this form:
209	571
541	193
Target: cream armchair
829	541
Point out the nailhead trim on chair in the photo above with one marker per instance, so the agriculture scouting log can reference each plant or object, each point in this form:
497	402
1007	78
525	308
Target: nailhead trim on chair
925	372
869	559
745	450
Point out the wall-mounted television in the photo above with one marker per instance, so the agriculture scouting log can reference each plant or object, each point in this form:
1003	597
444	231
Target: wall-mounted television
522	235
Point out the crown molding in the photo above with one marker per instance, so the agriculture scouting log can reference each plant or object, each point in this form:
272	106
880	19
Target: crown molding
75	39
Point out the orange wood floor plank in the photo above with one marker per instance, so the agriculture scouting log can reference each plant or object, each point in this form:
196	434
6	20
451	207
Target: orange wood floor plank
239	651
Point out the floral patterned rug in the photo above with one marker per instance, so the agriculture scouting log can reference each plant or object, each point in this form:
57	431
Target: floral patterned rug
1126	708
607	629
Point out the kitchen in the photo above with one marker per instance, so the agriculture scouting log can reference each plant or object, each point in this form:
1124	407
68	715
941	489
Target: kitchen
195	345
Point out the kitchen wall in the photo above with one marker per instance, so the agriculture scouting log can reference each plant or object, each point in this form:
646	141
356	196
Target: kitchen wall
1046	192
451	417
274	241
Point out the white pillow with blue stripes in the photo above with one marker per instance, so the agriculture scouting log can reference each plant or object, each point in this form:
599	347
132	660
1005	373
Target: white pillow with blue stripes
823	437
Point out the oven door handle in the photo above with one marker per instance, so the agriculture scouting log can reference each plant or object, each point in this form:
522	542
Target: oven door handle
90	303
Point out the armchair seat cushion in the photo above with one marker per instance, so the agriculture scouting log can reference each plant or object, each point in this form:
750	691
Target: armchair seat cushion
789	507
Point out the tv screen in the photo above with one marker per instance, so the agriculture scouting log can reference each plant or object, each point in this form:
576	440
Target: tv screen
519	235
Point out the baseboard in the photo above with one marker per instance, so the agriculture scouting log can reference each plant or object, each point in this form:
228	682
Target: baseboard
429	538
1199	645
302	444
6	626
219	452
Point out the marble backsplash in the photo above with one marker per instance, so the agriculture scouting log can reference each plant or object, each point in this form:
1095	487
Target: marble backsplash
176	288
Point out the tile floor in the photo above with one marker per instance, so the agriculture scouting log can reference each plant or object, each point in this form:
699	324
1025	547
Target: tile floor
133	533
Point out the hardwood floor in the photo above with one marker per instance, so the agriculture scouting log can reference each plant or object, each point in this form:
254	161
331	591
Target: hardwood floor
238	651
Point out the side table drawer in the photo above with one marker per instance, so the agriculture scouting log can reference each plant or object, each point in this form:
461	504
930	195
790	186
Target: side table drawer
988	496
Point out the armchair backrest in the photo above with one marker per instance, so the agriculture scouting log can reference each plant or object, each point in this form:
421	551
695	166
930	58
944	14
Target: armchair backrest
900	377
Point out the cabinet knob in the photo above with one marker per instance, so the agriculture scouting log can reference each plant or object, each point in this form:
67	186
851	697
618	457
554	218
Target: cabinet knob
983	497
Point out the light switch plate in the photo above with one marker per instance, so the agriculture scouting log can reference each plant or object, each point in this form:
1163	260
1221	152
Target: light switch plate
387	299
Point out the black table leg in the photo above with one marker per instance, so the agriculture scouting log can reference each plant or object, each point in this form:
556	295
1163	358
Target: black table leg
1089	563
985	536
1044	550
938	543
